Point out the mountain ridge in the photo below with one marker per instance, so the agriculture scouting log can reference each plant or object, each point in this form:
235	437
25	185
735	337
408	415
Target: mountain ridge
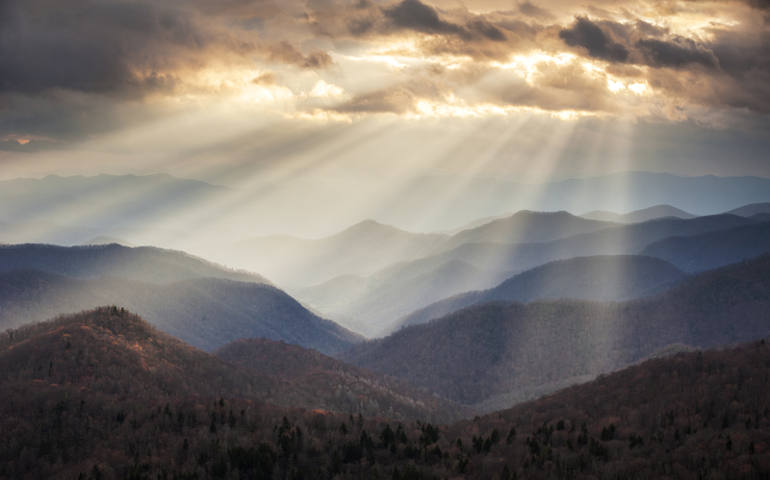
599	278
496	348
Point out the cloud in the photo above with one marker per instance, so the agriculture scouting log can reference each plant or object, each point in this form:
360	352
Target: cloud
266	78
77	68
287	53
676	54
398	100
102	47
531	10
415	15
599	44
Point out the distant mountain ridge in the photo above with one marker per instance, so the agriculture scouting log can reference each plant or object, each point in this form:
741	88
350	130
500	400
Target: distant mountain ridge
374	305
202	303
600	278
148	264
467	199
71	210
204	312
495	353
713	249
642	215
358	250
751	210
528	227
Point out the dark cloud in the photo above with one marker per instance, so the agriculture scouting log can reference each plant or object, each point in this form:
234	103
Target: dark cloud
397	100
92	47
638	43
682	52
759	4
369	19
128	48
584	33
415	15
267	78
286	53
531	10
486	29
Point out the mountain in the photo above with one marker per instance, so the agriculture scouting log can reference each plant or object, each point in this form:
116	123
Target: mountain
714	249
701	195
204	312
375	304
92	390
106	240
478	222
700	413
466	198
751	210
643	215
71	210
111	350
602	278
528	227
101	395
330	384
358	250
495	354
146	264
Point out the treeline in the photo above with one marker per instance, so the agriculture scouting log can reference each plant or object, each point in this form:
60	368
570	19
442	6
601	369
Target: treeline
699	415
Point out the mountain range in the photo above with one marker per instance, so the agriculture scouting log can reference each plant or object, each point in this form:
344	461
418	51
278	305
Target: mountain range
145	264
372	305
298	261
534	344
103	395
199	302
494	354
642	215
112	351
72	210
601	278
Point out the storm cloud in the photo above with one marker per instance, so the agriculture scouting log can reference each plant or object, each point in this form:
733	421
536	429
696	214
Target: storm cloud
75	69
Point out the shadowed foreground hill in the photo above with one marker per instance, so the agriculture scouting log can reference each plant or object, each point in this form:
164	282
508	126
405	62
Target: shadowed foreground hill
693	415
107	398
494	354
333	385
602	278
112	351
206	312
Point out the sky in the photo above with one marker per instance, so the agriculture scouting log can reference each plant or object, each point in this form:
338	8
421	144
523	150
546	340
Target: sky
366	96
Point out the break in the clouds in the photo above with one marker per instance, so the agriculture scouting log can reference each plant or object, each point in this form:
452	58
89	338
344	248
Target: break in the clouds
73	70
